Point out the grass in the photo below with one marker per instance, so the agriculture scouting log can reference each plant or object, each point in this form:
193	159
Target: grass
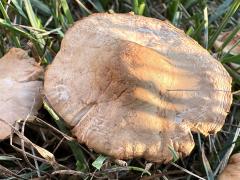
39	26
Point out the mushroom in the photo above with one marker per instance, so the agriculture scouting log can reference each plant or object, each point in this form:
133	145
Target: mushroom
131	86
232	170
19	89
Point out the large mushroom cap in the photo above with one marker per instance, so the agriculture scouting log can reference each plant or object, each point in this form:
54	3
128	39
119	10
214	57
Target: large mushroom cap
19	88
132	86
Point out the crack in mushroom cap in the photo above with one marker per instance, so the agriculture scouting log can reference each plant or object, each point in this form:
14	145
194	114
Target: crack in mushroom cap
132	86
19	88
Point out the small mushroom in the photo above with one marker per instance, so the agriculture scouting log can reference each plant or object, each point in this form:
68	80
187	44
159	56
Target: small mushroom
132	86
19	89
232	170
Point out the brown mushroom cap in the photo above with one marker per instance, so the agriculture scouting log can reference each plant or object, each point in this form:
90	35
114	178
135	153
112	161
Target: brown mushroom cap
19	88
232	170
132	86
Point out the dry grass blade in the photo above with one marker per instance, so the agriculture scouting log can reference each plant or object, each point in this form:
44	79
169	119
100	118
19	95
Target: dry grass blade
70	172
161	175
225	159
22	131
8	158
81	162
207	166
187	171
6	172
67	137
48	157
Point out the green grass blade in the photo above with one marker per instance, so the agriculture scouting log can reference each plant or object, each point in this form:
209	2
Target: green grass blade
104	3
233	59
8	158
2	48
57	31
190	31
172	10
66	11
55	12
197	33
99	162
78	154
141	8
97	5
19	8
135	6
188	3
144	171
235	5
5	24
230	37
83	7
235	45
36	23
205	39
41	7
220	11
174	153
233	73
14	38
32	17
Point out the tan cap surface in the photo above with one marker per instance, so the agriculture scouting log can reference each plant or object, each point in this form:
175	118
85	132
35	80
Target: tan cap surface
132	86
232	170
19	88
